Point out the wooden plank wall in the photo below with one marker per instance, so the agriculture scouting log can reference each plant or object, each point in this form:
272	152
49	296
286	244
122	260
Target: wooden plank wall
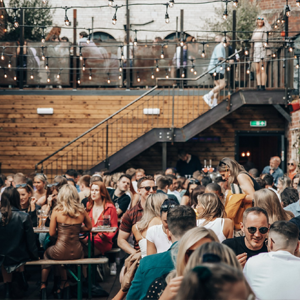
151	159
26	137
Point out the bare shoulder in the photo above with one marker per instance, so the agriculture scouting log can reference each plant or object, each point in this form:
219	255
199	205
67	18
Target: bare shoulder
155	221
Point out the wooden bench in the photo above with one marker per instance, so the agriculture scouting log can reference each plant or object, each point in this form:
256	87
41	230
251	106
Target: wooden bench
79	263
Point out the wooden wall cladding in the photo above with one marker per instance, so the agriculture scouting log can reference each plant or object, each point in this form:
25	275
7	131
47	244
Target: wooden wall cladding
26	137
239	120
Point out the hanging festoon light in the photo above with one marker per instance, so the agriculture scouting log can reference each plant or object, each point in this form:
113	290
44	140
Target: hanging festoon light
183	74
193	66
228	68
83	65
67	22
9	64
135	38
122	54
78	80
58	74
138	79
108	79
48	79
203	51
47	65
225	13
298	3
152	75
80	54
273	54
5	74
235	3
262	64
287	11
43	54
31	74
167	18
16	23
162	54
15	77
43	35
267	40
2	54
246	52
297	65
111	2
120	76
114	19
248	70
167	74
290	47
181	42
195	72
157	67
90	75
120	65
171	3
2	14
45	1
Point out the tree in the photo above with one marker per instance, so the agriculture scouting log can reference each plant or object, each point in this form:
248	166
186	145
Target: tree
35	19
246	15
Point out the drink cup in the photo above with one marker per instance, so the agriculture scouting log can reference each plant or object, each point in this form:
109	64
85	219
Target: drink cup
106	221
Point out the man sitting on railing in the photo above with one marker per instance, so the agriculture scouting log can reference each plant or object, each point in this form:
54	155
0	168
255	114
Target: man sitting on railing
217	73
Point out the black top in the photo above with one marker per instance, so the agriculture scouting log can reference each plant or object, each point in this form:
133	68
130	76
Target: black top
296	221
157	287
238	246
184	168
33	215
255	184
122	201
170	196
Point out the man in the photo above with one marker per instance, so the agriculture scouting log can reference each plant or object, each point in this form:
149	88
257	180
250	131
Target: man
273	169
294	207
119	197
187	163
217	73
254	173
275	275
19	178
72	177
146	186
270	184
163	184
139	173
255	226
180	219
84	185
172	190
157	238
170	171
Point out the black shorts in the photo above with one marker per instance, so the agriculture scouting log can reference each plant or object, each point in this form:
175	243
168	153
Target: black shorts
217	77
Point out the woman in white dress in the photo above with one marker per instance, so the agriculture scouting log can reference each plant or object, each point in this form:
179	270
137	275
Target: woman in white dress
259	51
211	215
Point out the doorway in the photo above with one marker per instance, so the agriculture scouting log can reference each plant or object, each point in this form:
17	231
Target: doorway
254	149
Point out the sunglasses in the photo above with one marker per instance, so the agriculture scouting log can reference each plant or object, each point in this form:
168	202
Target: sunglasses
21	185
223	164
148	188
262	230
260	18
53	184
194	181
290	164
166	207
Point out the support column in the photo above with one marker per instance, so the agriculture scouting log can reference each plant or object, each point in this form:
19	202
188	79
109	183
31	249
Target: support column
164	156
74	49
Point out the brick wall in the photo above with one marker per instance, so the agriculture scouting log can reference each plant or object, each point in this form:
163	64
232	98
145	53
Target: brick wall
292	136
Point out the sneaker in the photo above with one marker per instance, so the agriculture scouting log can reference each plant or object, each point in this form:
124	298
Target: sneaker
113	269
214	103
207	99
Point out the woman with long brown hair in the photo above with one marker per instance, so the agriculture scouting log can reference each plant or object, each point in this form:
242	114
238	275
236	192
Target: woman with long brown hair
100	205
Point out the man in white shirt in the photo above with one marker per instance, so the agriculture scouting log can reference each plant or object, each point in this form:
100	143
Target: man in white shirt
276	275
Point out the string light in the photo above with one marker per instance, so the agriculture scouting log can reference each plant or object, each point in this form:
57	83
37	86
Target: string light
43	55
31	75
172	2
266	42
195	72
203	51
225	14
90	76
152	75
181	42
58	75
297	65
248	70
162	55
120	66
278	21
45	1
138	79
108	80
120	76
235	3
114	19
167	74
298	3
246	51
275	26
5	75
290	48
80	54
78	80
83	65
2	15
193	67
287	11
182	74
9	64
2	54
225	42
15	78
167	18
122	54
16	23
110	2
46	66
135	38
157	68
273	54
214	73
67	22
43	35
48	79
228	68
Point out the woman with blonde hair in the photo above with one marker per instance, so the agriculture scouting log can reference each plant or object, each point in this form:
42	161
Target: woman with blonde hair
259	51
40	182
190	241
66	219
151	217
292	167
283	182
269	201
232	172
212	215
54	31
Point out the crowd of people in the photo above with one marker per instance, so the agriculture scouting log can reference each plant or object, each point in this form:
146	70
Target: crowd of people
183	234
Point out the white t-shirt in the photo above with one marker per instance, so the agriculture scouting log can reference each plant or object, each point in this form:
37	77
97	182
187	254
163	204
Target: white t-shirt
156	235
216	225
274	275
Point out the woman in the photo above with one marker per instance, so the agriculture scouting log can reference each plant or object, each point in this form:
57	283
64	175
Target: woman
214	282
66	219
51	196
54	31
151	217
16	251
190	241
186	199
259	52
211	213
100	205
295	181
181	186
215	188
40	185
292	168
233	172
27	202
269	201
283	182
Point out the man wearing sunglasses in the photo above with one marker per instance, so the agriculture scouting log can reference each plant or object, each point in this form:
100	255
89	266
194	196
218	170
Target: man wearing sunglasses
255	226
145	186
275	275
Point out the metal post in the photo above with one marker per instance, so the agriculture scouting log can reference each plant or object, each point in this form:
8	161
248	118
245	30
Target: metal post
21	61
176	28
164	156
233	47
286	28
128	83
79	284
181	47
106	150
74	49
92	29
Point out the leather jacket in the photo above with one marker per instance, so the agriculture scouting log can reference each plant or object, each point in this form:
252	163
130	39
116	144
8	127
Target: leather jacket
17	241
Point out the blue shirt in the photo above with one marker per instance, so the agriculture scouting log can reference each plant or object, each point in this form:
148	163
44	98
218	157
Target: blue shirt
294	208
218	52
276	174
150	268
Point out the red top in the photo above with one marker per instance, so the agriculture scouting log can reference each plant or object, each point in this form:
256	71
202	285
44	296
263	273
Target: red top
292	175
111	211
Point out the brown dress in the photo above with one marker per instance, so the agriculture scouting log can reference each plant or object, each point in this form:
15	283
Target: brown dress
68	245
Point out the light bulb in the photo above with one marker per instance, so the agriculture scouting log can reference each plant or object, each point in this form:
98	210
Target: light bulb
167	19
88	41
248	71
90	77
43	40
44	1
5	75
246	52
15	78
167	76
31	76
120	69
80	57
46	67
43	57
221	68
138	79
203	54
225	14
298	3
297	66
2	56
48	79
183	75
83	67
262	67
181	43
110	2
195	72
274	55
9	65
275	26
67	22
114	19
228	68
78	81
171	3
120	76
192	69
290	49
162	55
235	3
157	69
215	74
58	76
152	76
108	81
16	23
